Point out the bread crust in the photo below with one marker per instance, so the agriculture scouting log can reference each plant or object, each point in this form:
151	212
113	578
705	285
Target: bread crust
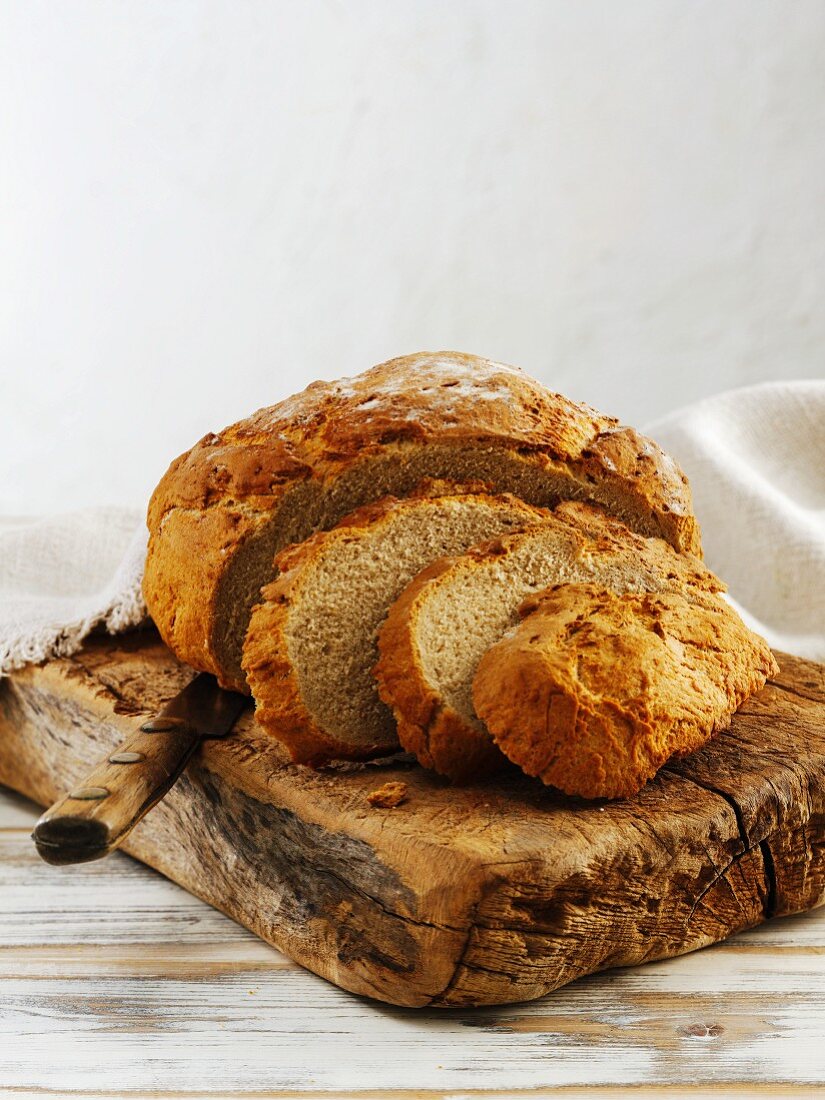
427	725
279	704
215	502
593	692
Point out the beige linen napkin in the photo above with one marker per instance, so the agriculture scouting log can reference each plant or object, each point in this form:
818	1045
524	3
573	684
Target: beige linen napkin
64	575
755	458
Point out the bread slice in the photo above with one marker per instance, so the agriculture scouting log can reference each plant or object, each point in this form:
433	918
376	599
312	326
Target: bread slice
311	644
448	617
230	504
593	691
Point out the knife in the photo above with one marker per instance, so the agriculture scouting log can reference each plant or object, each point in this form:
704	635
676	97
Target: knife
97	815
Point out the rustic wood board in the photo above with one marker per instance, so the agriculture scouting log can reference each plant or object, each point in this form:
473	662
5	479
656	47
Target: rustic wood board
490	894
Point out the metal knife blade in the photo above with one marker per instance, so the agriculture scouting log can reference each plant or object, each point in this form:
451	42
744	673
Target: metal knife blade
98	814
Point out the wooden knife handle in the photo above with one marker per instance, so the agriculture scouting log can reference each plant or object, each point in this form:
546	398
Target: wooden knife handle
97	815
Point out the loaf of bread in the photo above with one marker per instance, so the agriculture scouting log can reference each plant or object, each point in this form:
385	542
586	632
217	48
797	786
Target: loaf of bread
447	618
593	691
226	508
312	641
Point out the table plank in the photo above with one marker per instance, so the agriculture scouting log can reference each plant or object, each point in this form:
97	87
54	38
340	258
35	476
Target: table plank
16	812
111	974
688	1092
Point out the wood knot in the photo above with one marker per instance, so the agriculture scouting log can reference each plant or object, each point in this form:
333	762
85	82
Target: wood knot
700	1031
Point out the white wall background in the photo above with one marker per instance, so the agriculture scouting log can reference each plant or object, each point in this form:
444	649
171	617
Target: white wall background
205	205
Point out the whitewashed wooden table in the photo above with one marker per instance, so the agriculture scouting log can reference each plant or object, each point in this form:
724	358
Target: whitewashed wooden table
115	982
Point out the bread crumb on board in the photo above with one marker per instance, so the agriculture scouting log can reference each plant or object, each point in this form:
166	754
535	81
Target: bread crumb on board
391	794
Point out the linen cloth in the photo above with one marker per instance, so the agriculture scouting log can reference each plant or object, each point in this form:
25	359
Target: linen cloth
755	458
64	575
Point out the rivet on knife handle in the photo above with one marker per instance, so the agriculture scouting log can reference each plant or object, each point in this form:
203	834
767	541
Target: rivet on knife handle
97	815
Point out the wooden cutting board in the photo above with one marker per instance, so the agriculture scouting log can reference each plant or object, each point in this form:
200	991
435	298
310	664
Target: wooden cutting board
489	894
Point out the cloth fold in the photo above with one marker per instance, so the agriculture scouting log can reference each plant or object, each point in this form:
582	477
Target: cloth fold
755	459
64	575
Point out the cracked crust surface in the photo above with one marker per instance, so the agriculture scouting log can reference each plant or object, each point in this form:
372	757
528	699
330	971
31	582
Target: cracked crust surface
461	605
593	691
226	507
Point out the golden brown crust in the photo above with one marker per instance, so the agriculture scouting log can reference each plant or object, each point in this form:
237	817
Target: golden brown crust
593	692
184	568
424	397
218	495
279	705
427	725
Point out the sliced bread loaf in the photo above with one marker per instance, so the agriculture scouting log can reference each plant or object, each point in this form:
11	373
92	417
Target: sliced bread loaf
225	508
450	614
595	691
311	644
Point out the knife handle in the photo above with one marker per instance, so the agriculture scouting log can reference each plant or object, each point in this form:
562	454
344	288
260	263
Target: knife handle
98	814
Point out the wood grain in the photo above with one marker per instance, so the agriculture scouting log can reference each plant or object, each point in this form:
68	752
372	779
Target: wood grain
489	894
